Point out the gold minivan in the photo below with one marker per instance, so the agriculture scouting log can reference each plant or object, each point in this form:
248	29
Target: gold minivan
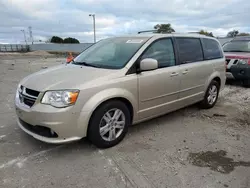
118	82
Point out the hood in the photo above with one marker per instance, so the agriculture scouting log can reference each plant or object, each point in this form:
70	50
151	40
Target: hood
67	77
237	55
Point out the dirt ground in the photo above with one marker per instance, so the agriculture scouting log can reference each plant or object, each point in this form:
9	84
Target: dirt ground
189	148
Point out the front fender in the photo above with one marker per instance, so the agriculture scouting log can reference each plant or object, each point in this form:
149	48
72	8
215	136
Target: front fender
100	97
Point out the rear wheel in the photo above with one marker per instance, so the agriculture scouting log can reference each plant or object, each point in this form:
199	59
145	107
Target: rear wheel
211	95
109	124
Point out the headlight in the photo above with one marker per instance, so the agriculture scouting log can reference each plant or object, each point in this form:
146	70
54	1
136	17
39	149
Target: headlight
60	99
243	61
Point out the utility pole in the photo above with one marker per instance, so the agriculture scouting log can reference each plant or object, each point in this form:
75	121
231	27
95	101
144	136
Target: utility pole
24	35
30	33
93	16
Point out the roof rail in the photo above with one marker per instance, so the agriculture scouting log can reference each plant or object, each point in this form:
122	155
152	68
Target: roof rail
155	31
147	31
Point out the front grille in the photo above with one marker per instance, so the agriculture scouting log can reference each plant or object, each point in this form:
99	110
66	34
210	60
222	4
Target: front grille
28	96
231	62
40	130
235	61
32	92
28	101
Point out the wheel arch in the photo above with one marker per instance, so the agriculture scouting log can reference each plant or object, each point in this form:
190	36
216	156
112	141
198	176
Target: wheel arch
217	79
102	97
215	76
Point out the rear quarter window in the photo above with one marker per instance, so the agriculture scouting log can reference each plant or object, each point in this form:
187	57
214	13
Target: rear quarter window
211	49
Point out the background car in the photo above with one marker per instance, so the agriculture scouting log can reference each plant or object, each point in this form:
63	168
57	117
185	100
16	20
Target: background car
237	54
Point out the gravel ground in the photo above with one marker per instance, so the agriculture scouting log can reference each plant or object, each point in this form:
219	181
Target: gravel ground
189	148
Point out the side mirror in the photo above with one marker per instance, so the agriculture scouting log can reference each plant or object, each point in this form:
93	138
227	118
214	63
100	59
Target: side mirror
148	64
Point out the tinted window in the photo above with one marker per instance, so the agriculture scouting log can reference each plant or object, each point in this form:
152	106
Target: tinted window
163	51
189	50
211	49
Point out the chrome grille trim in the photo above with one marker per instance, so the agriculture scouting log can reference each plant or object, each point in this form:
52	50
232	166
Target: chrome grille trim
27	95
25	98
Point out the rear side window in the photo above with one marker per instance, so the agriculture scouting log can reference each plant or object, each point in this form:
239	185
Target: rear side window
211	49
190	50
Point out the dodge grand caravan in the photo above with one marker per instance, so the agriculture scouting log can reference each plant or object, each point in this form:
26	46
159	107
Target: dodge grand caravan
118	82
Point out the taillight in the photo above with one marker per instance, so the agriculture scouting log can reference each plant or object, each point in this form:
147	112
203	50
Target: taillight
248	62
226	65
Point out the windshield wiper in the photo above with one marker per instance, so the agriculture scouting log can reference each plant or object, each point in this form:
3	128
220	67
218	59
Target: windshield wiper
85	64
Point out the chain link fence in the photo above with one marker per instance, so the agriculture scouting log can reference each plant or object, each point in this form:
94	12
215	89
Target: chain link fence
14	48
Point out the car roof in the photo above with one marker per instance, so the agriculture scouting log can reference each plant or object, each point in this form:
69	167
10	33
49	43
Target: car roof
158	35
241	38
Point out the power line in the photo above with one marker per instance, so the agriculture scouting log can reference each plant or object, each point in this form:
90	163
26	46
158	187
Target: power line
24	35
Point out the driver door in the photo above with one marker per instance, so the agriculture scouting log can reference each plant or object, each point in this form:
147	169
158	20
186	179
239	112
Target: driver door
158	89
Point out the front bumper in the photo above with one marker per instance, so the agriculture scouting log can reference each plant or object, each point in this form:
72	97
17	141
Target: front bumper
48	140
229	75
62	121
239	72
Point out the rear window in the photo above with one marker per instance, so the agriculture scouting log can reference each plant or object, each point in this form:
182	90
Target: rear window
190	50
211	49
237	46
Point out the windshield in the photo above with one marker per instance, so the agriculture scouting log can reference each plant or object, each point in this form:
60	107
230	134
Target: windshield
237	46
112	53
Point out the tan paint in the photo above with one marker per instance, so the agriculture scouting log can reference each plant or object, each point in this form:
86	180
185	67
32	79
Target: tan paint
151	93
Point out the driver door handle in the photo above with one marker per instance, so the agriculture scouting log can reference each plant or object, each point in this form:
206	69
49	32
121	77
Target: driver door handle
174	74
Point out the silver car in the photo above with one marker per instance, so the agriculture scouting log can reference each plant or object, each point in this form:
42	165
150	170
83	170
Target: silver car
118	82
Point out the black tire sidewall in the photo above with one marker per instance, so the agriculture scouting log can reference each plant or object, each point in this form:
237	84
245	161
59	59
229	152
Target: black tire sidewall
93	130
246	83
205	104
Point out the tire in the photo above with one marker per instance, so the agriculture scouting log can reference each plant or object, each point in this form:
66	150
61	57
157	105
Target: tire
103	117
206	103
246	83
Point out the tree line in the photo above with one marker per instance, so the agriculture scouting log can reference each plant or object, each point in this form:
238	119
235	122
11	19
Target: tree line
159	28
68	40
167	28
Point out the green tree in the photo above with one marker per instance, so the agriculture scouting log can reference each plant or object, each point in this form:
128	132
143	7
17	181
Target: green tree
71	40
164	28
202	32
232	33
56	39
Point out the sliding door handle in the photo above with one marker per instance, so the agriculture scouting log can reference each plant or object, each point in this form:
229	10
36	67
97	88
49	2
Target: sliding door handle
174	74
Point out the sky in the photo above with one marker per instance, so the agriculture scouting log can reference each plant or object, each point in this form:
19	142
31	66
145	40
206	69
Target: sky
70	18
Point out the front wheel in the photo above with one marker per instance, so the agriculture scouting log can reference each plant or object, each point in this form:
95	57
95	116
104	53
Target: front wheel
211	95
109	124
246	83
